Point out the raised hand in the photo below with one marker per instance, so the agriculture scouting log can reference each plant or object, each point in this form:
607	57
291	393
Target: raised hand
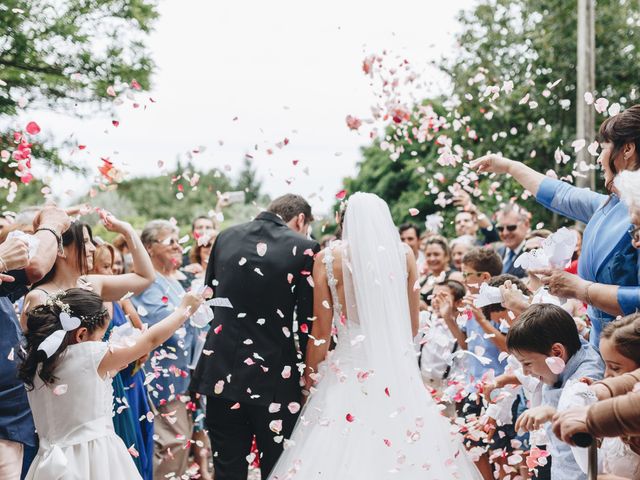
491	163
442	305
512	298
191	302
14	254
561	283
534	418
52	217
111	223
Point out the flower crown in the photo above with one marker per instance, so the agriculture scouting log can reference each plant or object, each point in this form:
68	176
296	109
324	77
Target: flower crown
55	300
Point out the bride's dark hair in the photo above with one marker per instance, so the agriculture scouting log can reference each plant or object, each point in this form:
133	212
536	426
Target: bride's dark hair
44	319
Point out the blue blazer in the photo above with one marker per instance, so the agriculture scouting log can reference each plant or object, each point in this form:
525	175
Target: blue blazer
607	254
513	270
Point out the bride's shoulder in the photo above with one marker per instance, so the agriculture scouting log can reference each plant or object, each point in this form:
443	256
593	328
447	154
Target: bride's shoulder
332	250
406	248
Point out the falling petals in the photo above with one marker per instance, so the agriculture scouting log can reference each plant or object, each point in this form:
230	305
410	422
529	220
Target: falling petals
578	145
353	123
601	105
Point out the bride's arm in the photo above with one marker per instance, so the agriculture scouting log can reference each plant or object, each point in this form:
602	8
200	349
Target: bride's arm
320	337
414	293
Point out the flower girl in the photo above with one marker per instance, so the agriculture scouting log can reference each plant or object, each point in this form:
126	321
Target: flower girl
67	370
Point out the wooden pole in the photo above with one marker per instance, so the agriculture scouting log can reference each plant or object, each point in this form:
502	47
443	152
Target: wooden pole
586	75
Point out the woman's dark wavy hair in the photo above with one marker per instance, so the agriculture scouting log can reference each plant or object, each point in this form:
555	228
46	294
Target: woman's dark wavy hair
44	319
619	130
73	236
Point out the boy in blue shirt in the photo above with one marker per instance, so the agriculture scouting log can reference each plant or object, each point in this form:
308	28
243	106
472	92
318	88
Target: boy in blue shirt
545	339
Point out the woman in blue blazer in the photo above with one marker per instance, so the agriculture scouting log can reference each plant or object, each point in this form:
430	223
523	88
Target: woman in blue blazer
607	277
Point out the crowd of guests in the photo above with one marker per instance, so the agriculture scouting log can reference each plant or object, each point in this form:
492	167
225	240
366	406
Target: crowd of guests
141	278
554	355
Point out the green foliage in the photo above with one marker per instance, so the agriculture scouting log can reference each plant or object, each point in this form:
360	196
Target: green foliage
63	54
248	181
156	197
531	43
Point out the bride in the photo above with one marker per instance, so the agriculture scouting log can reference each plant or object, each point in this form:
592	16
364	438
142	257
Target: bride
368	415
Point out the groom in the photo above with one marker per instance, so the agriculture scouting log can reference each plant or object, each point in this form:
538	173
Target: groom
249	368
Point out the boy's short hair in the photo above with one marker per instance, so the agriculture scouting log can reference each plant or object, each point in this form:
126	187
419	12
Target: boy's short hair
498	281
457	289
540	326
483	259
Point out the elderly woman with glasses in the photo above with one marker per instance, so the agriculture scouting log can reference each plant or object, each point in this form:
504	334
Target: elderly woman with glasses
169	363
607	277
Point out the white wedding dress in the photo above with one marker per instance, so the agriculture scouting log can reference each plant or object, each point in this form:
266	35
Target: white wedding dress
371	417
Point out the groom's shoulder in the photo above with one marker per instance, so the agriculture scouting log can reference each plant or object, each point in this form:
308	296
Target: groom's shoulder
300	240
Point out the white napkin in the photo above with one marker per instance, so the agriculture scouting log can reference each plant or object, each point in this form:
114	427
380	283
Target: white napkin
556	251
30	240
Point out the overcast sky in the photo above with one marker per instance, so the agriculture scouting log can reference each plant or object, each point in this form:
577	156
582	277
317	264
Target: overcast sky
282	68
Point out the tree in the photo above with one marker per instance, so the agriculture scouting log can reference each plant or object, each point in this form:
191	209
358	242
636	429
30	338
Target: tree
64	55
182	194
513	91
248	181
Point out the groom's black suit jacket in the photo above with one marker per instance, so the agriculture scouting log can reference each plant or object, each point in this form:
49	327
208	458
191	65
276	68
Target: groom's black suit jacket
250	345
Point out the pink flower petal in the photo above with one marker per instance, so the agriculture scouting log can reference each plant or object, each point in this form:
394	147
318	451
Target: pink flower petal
555	364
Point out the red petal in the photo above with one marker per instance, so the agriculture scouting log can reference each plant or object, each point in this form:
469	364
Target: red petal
349	418
165	299
26	178
341	194
115	123
33	128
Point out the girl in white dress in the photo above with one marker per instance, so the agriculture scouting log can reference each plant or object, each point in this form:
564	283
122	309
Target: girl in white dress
67	370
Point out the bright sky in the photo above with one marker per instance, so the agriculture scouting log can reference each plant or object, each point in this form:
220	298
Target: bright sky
284	68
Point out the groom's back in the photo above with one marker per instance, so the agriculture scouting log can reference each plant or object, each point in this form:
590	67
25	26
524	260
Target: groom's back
262	267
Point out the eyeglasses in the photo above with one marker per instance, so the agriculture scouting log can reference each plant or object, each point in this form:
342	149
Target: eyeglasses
469	274
510	228
635	233
169	242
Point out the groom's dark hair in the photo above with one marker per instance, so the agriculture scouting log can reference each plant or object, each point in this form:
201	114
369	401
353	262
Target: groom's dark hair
290	205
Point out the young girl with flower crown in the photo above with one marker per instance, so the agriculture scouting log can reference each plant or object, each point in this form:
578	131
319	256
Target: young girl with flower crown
67	370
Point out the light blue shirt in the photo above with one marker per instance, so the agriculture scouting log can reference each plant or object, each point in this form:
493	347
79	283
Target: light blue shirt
476	338
607	254
586	362
170	361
